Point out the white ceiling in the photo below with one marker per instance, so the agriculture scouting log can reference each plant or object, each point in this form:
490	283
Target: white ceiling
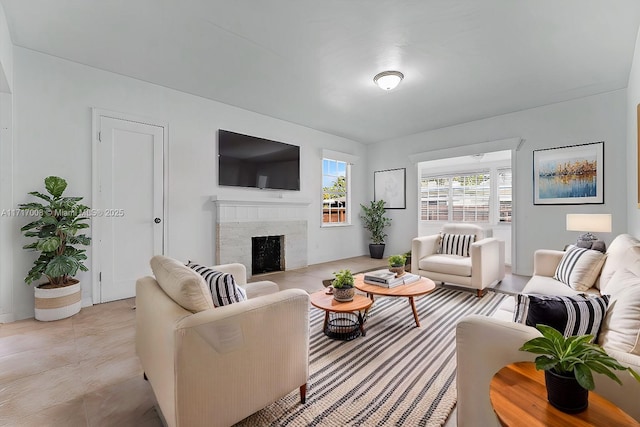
312	62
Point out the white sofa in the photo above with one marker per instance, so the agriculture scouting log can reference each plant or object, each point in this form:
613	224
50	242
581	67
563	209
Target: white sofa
215	366
486	344
482	269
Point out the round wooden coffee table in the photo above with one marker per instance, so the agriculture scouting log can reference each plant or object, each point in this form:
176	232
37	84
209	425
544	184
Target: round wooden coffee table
341	327
422	286
519	398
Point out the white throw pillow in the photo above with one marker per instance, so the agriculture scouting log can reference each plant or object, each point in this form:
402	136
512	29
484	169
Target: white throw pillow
579	267
224	289
183	285
456	244
621	325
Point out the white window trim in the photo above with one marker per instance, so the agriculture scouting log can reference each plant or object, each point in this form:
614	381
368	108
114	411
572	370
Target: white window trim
350	160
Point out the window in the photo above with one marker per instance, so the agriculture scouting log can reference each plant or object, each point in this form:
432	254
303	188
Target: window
466	197
504	195
335	192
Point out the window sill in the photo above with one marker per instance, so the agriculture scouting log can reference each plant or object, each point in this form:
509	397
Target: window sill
323	225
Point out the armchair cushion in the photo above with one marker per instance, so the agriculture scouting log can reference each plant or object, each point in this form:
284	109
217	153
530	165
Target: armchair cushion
183	285
447	264
571	315
224	289
621	326
456	244
579	268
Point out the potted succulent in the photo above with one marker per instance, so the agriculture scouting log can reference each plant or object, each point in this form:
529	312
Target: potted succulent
56	237
396	264
568	364
375	221
343	286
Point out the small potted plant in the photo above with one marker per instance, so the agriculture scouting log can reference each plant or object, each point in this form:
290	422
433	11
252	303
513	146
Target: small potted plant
568	365
56	237
396	264
375	221
407	262
343	286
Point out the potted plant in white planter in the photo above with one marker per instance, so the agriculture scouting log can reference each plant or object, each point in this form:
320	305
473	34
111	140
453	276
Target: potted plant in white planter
375	221
343	286
56	237
568	365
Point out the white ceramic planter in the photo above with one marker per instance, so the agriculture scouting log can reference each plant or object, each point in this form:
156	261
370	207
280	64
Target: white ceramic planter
57	303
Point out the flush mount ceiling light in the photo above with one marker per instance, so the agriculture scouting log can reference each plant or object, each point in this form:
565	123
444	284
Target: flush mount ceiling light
388	80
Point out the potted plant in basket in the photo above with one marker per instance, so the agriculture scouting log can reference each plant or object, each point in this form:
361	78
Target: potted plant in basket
568	365
343	286
56	237
375	221
396	264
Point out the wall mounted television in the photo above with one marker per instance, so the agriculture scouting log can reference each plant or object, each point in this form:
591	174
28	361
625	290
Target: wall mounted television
249	161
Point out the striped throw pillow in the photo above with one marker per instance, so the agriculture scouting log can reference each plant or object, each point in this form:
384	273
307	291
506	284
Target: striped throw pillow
579	268
570	315
456	244
224	289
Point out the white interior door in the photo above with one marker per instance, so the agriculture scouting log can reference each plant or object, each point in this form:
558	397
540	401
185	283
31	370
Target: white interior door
130	203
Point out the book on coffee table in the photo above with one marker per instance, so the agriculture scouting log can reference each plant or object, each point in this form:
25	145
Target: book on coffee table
387	279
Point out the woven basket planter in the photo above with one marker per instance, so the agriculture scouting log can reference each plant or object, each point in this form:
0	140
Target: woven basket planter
57	303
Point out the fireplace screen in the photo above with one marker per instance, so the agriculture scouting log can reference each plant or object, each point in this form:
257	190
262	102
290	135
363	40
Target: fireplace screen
267	254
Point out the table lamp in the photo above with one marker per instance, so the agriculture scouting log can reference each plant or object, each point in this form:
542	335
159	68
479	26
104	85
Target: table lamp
589	223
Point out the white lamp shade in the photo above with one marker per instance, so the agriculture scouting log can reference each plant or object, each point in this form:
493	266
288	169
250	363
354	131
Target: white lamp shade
388	80
589	222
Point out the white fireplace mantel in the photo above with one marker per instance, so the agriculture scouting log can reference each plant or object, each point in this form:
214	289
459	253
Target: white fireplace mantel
258	201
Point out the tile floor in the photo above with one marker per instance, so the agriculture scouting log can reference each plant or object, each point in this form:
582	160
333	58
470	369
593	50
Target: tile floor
83	371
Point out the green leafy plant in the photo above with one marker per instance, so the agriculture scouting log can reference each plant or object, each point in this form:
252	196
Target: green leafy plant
375	220
56	233
397	260
573	356
343	279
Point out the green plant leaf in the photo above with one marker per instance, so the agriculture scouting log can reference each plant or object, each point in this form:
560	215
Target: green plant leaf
49	244
55	185
61	265
584	376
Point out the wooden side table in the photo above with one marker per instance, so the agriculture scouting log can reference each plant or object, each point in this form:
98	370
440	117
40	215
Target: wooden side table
341	327
519	398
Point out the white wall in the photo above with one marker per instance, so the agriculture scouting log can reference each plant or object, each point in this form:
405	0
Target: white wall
633	99
6	146
6	55
52	123
596	118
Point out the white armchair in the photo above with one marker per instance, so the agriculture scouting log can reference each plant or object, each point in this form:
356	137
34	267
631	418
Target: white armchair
484	267
215	366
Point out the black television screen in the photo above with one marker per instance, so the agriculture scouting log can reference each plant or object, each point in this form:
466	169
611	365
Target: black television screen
248	161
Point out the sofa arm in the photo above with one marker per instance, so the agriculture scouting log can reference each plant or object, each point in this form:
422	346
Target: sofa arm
545	262
237	270
421	247
234	360
484	346
487	262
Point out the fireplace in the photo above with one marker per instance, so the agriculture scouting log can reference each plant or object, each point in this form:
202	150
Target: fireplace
238	221
266	254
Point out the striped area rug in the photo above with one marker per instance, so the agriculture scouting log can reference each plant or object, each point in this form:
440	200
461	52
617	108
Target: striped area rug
397	374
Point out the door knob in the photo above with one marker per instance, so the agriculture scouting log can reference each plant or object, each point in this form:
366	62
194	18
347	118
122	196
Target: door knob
157	220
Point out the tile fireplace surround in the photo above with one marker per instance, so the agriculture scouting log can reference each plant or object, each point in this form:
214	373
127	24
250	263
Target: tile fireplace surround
238	220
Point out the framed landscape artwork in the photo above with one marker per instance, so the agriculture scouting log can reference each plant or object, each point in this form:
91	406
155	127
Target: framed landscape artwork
572	175
389	185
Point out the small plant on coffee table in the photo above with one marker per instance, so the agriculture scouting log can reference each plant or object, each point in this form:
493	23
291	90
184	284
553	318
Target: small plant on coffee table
396	264
343	285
